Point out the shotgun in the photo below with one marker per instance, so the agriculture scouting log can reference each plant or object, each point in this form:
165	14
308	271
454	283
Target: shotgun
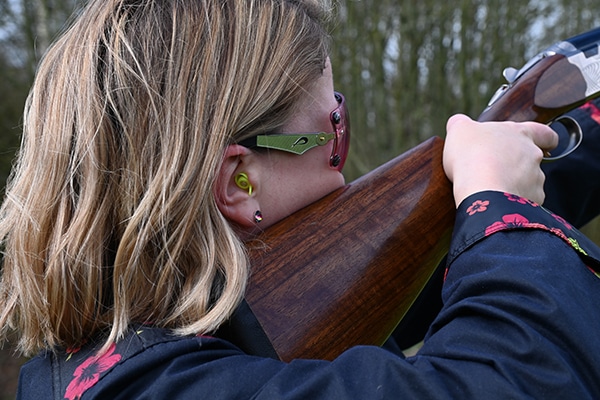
344	270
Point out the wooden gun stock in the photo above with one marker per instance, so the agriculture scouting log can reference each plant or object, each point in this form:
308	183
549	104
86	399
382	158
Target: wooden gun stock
344	270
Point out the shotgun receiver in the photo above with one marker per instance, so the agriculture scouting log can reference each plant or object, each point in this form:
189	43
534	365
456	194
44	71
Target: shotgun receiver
344	270
562	77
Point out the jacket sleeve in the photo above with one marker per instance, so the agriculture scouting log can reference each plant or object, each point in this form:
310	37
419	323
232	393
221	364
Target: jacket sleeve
520	311
520	320
572	190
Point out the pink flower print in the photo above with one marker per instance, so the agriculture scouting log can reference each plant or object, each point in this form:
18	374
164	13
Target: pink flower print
513	221
72	350
594	111
562	221
204	336
519	199
514	197
88	373
478	206
508	221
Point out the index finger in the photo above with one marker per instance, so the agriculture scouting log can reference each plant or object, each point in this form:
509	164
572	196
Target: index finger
542	135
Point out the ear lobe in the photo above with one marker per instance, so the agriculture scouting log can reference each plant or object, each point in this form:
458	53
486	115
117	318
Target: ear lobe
235	203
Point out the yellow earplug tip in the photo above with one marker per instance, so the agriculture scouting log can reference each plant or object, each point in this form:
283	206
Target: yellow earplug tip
241	180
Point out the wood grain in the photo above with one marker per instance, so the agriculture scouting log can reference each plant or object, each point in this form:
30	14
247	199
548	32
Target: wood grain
344	270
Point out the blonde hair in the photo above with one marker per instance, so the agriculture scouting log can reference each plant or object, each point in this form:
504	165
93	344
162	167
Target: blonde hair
109	217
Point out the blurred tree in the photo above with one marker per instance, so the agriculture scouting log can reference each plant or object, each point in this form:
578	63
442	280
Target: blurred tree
13	86
408	66
27	27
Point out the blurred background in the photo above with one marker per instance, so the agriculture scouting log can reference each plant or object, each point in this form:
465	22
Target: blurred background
404	66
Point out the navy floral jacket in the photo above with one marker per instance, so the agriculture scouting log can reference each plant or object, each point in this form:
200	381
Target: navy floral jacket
520	319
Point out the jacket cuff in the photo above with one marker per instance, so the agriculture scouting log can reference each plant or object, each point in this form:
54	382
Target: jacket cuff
483	214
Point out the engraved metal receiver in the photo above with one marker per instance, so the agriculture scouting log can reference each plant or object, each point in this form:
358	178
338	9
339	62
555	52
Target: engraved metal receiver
557	80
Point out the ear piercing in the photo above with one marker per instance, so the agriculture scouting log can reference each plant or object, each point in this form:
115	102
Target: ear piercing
258	217
241	180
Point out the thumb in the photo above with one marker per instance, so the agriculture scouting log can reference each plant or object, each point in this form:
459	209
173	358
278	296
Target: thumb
456	118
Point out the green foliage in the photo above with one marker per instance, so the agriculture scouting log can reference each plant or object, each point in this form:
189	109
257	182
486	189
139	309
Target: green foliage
26	29
13	86
406	66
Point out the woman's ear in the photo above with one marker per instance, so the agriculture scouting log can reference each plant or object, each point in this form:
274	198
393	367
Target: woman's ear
235	187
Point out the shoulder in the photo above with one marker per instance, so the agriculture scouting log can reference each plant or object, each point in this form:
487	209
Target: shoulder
146	360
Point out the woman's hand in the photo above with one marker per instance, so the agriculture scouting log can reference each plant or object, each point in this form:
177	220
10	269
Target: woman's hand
502	156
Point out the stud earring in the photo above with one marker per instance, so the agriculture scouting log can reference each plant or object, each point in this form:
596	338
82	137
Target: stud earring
241	180
258	216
